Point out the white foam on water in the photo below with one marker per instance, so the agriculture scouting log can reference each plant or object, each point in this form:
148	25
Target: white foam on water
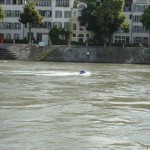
63	73
86	74
47	73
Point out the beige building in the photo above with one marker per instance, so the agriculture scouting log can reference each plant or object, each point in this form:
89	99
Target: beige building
79	33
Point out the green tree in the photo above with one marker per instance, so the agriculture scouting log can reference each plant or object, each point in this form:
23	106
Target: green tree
1	13
106	17
61	35
55	35
30	16
87	18
145	19
68	31
110	17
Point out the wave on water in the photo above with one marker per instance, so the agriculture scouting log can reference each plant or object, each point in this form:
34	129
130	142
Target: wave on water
46	73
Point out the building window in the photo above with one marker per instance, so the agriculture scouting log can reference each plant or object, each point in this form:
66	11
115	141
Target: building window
8	25
62	3
45	13
1	25
130	16
136	18
48	13
17	26
81	6
16	36
137	29
141	1
139	8
8	13
43	3
48	3
79	12
144	30
57	24
58	14
47	25
17	13
127	7
75	13
14	2
36	3
34	26
67	14
74	26
1	1
137	40
66	25
8	1
87	35
74	35
121	39
42	13
8	36
19	2
81	35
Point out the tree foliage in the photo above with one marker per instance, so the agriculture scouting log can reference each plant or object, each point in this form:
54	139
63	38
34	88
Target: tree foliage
105	17
55	34
145	18
1	13
110	17
30	16
61	35
87	18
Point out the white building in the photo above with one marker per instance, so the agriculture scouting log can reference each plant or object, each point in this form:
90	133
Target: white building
55	12
11	28
132	10
138	34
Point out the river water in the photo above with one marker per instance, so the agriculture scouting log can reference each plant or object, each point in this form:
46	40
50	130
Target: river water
50	106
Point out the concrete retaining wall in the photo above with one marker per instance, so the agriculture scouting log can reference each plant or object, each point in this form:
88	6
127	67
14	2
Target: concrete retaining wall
97	54
91	54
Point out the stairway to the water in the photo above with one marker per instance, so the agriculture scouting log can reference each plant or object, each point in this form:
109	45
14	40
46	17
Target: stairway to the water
5	54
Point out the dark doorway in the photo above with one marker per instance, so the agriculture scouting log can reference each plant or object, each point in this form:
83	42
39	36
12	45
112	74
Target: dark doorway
80	40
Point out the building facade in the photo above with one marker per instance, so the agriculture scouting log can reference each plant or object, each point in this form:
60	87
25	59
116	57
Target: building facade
138	34
79	33
61	12
55	12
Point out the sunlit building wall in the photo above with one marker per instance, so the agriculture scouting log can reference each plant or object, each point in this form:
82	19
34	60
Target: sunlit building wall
55	12
138	34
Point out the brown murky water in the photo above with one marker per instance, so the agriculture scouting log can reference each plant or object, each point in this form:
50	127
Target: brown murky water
50	106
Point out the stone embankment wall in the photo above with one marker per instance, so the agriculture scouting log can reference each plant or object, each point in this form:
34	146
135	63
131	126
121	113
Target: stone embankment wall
96	54
19	51
91	54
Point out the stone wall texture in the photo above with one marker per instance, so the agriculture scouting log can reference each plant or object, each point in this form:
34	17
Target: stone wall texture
97	54
90	54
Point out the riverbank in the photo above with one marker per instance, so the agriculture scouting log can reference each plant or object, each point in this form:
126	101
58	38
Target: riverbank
89	54
97	54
